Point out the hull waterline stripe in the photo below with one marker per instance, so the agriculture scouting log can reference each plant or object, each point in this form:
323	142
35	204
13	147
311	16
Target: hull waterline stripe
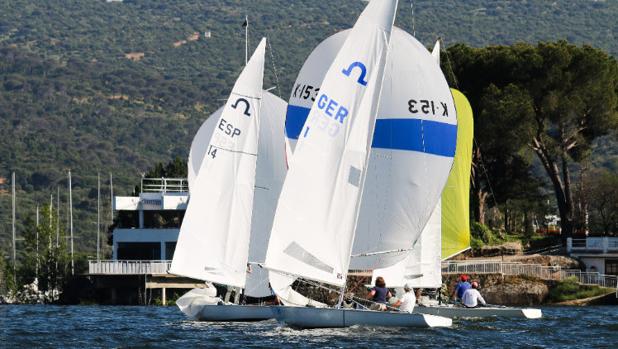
425	136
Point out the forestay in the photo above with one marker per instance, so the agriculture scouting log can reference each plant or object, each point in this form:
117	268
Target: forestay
412	150
213	243
318	208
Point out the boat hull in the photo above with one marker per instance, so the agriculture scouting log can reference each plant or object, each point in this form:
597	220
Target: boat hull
305	317
234	312
461	312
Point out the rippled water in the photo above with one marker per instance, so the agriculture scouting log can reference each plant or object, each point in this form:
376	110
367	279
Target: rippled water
30	326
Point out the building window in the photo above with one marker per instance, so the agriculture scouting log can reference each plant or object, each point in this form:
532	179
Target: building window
170	247
141	251
611	266
158	219
127	219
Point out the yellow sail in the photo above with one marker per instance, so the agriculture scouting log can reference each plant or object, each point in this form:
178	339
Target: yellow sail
456	194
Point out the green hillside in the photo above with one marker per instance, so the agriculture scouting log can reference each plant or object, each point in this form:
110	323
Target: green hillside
117	87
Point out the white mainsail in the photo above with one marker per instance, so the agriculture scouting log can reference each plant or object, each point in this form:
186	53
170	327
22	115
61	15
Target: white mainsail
317	212
213	243
269	175
412	151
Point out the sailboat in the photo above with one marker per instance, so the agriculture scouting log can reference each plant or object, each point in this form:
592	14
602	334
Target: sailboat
236	169
317	215
448	231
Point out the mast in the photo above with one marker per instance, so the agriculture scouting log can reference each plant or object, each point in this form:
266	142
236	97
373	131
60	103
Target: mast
51	210
71	224
246	39
13	226
36	266
111	199
57	216
98	217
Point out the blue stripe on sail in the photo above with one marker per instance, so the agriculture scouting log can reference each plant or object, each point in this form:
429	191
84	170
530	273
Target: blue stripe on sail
423	136
295	120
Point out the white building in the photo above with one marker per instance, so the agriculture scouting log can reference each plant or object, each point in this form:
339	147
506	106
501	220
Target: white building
599	254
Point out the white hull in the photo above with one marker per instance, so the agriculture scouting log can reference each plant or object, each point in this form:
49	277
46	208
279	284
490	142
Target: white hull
459	312
200	304
304	317
233	312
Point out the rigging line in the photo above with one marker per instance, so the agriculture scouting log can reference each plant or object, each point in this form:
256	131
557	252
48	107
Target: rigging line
482	163
383	252
450	65
272	59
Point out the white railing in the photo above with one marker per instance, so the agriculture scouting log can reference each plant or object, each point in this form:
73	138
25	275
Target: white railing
592	244
533	270
164	185
125	267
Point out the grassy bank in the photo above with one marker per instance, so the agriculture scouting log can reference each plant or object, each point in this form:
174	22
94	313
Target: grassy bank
569	289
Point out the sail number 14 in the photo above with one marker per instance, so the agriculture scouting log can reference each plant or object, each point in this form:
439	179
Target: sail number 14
427	107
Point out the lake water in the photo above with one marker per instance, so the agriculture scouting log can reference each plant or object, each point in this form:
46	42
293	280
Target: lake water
29	326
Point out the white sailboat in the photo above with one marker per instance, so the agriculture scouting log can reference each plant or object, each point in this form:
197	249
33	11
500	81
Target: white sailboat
412	151
236	169
422	268
318	210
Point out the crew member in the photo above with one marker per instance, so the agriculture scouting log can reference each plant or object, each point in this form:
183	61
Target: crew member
472	297
379	294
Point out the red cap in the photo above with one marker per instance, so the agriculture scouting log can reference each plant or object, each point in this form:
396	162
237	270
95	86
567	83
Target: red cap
464	277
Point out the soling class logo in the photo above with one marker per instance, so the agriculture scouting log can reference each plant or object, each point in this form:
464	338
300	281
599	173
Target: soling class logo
363	72
246	102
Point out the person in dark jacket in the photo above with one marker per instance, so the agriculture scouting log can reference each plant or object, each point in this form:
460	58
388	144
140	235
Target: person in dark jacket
379	294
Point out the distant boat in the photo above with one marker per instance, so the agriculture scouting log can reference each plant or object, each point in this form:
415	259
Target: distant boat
317	214
236	169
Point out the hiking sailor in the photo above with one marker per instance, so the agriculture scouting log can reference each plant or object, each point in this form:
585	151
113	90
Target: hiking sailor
472	297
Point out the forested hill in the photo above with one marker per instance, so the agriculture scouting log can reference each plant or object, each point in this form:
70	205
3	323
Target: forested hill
117	87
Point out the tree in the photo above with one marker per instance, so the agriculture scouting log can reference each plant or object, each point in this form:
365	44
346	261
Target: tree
565	97
44	257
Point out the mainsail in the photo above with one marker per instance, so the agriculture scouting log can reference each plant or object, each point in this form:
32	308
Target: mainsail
317	212
213	243
412	151
456	194
269	174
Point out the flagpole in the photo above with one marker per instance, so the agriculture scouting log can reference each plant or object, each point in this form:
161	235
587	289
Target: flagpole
246	39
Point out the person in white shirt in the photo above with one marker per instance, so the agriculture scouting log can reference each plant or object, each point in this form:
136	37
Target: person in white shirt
472	297
407	302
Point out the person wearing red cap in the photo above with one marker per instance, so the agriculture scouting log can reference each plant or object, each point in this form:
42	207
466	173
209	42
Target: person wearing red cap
472	297
461	287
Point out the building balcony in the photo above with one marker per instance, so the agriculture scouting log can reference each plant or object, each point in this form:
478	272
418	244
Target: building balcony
126	267
593	245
